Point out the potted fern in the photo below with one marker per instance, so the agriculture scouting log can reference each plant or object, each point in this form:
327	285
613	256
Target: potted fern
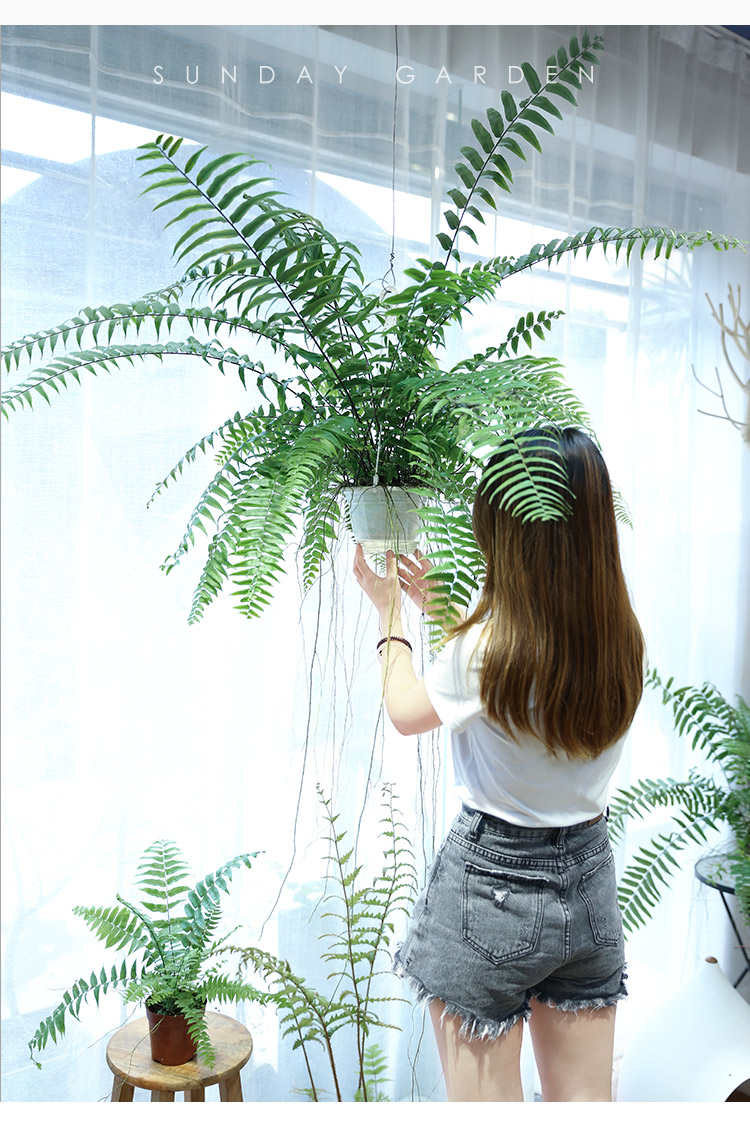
178	970
722	731
359	395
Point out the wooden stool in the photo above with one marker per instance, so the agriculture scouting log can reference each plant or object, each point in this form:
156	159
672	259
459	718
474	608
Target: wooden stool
129	1058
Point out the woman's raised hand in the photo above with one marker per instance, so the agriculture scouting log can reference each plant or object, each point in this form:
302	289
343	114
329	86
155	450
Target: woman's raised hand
383	591
411	575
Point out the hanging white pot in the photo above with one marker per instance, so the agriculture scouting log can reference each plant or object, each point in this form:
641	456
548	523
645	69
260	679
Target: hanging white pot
694	1047
384	518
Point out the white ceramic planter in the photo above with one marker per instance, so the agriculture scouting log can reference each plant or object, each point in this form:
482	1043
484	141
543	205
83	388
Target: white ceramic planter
694	1047
383	518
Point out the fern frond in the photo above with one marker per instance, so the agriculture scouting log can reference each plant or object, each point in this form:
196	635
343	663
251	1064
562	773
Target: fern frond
282	255
704	712
322	516
646	878
696	795
204	899
95	985
375	1066
116	926
273	497
483	279
54	376
458	564
509	133
161	876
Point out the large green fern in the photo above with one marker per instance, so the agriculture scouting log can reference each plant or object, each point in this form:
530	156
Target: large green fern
363	919
368	399
722	731
173	930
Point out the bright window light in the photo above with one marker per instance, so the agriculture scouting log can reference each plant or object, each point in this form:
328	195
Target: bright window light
40	129
56	133
412	212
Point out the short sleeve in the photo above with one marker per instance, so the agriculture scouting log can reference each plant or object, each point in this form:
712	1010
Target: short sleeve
452	681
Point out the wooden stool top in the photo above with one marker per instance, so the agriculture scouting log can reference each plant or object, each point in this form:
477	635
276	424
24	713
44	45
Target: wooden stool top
129	1056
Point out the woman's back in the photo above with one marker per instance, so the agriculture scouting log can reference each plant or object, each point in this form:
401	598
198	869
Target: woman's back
516	779
562	650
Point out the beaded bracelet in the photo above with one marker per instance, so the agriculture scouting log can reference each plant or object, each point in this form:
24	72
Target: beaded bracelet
398	639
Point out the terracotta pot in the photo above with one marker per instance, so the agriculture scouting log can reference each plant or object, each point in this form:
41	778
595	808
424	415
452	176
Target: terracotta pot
383	518
171	1042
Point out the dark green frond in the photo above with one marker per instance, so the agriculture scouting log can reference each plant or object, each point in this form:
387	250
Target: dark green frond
512	133
458	564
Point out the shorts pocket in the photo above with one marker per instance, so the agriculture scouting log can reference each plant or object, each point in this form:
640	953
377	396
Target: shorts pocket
598	889
501	912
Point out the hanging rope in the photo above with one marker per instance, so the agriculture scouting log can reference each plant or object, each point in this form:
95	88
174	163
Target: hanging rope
390	287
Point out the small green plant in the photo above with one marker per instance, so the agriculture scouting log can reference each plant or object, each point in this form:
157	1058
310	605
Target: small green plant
375	1066
363	920
723	732
178	970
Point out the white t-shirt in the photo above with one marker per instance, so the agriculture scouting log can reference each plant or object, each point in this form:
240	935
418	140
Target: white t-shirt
517	780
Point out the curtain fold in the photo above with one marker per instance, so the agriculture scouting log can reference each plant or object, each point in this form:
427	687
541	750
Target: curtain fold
121	724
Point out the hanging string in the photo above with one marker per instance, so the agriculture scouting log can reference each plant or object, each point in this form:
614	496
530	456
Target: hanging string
389	288
386	288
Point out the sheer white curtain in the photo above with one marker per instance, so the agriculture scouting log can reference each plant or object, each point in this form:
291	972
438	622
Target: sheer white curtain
123	725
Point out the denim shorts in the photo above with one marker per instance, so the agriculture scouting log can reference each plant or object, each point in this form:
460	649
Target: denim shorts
510	914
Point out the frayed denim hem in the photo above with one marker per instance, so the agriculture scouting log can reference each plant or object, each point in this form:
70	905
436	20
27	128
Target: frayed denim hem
583	1005
473	1027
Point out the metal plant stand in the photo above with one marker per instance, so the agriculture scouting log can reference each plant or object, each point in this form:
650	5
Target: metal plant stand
713	870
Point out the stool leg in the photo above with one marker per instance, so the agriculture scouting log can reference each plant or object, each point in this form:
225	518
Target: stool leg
230	1089
162	1096
122	1092
196	1096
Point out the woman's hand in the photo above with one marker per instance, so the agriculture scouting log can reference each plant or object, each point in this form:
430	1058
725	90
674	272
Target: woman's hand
411	576
384	592
413	580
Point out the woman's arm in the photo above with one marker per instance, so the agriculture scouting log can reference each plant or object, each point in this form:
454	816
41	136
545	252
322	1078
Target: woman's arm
406	700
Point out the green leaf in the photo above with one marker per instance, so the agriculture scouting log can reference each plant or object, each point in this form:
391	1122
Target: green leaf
494	117
562	92
483	136
509	143
537	119
526	133
466	175
549	107
532	78
209	169
509	105
474	158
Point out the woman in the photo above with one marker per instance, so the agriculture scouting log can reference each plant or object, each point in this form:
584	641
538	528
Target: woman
538	686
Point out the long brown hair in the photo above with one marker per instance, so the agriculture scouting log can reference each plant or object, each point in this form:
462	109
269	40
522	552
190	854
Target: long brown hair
563	650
